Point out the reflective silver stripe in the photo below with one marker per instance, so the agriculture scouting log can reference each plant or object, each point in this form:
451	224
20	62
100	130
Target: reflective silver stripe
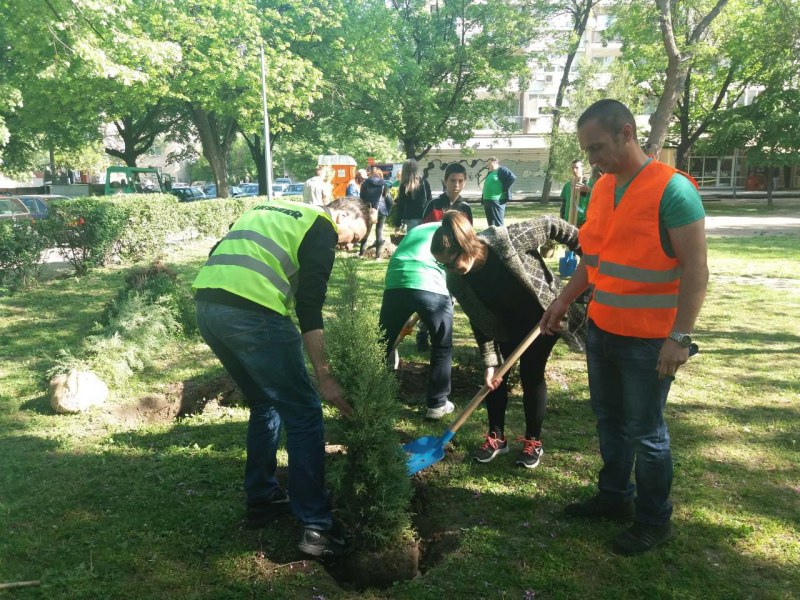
638	274
636	300
590	259
251	263
268	245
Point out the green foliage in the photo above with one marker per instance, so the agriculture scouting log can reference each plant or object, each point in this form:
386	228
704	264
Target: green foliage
158	284
87	230
214	218
137	326
21	245
150	219
371	482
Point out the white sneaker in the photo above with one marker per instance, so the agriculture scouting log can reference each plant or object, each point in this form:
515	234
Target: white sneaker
438	413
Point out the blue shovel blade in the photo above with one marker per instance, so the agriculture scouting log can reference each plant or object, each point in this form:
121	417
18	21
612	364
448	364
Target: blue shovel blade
425	451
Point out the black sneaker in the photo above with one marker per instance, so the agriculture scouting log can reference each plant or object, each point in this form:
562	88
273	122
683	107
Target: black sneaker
531	453
490	448
641	538
324	543
599	507
262	514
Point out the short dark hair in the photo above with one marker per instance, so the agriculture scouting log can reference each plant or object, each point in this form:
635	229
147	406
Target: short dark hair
353	205
455	168
611	115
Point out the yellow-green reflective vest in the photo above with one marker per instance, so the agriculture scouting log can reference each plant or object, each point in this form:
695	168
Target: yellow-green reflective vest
257	259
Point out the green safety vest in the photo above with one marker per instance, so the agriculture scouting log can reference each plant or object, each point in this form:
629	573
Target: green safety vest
257	259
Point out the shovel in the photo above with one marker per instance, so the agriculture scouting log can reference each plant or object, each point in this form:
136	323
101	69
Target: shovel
408	328
429	450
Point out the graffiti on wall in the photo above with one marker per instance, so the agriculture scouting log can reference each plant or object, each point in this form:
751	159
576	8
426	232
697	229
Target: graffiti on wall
530	175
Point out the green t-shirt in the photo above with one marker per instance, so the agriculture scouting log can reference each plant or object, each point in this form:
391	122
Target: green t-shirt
583	203
492	187
412	265
680	205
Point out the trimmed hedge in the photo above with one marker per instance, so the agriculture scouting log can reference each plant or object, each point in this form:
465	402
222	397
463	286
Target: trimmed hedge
21	246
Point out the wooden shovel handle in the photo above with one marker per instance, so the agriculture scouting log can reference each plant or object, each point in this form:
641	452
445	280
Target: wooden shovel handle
500	372
407	329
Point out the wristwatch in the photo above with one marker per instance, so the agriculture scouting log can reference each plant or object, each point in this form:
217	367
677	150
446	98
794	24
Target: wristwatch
684	339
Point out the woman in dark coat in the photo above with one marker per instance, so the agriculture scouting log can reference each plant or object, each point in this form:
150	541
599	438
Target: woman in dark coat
375	193
413	196
503	285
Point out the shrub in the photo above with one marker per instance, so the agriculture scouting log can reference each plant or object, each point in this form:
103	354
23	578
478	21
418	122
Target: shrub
148	313
371	482
21	247
151	218
214	217
87	230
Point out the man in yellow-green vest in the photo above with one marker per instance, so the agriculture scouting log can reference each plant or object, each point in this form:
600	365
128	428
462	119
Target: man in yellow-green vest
278	256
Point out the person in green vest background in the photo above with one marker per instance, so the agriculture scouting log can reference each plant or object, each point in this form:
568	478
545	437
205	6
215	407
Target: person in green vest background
496	191
584	189
278	256
415	283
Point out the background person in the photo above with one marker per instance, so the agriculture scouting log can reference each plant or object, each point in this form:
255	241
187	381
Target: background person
584	192
496	191
275	256
415	283
316	191
414	194
644	249
502	284
455	177
373	192
354	186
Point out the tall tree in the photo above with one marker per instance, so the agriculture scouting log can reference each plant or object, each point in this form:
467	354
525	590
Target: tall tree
680	56
424	72
578	12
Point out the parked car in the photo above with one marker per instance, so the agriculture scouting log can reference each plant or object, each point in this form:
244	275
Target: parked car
249	189
234	191
277	190
12	207
188	194
39	204
296	189
285	181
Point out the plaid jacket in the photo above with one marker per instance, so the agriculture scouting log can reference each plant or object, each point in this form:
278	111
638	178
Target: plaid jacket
517	246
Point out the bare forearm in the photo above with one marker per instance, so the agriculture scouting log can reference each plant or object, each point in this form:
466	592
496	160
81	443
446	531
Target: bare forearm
691	294
314	342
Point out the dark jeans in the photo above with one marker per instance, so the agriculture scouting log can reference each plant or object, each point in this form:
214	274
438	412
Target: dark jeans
495	212
628	400
436	311
263	354
378	235
534	389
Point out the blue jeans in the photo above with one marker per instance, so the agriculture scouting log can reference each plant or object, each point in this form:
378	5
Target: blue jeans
495	212
436	312
628	401
263	354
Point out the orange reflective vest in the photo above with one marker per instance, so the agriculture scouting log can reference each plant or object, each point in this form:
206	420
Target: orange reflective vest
635	282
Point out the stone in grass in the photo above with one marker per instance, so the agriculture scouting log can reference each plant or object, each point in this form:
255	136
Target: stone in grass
76	391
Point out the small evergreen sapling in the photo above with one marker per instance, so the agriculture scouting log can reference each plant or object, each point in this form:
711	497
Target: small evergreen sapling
371	483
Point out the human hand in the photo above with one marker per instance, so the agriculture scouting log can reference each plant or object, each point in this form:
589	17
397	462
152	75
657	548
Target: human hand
330	390
583	188
490	380
671	357
550	324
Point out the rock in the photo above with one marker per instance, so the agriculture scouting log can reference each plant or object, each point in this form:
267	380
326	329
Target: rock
77	391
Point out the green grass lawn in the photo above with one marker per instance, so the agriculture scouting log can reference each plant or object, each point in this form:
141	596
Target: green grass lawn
96	509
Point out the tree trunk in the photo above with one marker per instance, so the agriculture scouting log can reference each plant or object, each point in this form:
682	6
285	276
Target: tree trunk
770	187
580	19
216	136
257	154
678	64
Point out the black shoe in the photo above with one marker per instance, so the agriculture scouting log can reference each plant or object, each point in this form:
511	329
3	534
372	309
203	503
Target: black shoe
641	538
490	448
422	341
599	507
324	543
262	514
